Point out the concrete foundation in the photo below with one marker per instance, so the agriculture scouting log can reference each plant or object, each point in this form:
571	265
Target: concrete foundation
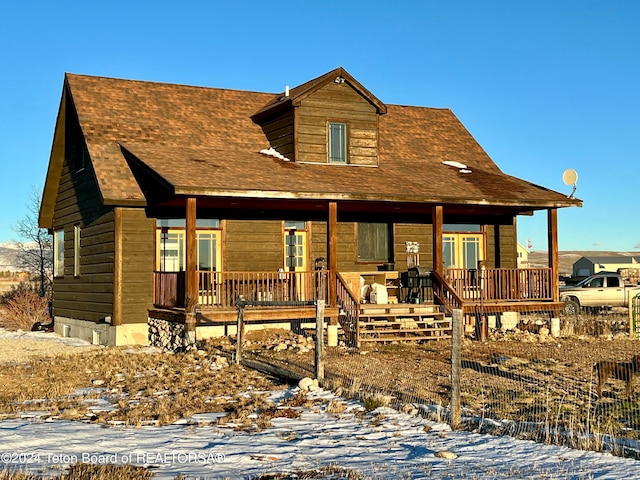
102	333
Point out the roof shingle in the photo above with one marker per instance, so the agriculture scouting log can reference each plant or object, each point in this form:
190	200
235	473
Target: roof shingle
202	140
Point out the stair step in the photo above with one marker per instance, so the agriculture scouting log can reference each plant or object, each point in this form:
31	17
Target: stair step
400	339
405	330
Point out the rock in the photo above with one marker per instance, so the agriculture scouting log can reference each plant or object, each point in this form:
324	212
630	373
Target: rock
446	454
280	347
220	360
409	409
308	384
305	383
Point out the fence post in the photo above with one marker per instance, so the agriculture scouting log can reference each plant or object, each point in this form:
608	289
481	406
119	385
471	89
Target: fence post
239	329
319	354
456	359
634	311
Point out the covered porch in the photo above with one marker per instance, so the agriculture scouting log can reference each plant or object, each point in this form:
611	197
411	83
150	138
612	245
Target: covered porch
203	297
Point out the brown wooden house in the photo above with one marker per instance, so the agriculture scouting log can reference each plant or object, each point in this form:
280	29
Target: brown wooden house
170	201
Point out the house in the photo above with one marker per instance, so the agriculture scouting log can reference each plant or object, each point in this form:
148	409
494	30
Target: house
167	202
523	256
589	265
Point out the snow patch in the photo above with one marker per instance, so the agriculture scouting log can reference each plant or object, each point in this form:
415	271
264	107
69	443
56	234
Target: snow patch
272	152
460	166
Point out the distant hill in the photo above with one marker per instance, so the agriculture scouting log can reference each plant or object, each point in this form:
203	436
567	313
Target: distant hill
566	259
8	257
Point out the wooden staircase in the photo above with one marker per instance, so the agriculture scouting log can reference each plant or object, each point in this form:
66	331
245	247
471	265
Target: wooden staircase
401	322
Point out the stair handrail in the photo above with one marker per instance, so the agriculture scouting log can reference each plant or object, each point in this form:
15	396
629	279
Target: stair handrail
444	293
347	301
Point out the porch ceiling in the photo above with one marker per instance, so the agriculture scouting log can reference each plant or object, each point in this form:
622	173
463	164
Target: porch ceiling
233	206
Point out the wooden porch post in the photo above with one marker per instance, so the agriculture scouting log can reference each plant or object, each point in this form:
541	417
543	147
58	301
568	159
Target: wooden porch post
436	224
332	250
191	300
552	231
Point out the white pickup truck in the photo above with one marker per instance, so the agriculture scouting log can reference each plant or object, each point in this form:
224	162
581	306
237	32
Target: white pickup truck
602	290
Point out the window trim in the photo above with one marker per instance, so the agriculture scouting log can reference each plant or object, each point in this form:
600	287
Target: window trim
343	157
58	253
76	250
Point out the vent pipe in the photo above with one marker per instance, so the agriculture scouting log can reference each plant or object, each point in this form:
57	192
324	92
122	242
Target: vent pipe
286	91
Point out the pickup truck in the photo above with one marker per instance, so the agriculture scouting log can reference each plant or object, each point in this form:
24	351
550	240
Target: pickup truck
602	290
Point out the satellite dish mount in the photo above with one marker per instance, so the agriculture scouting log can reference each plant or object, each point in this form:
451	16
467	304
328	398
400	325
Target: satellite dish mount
570	177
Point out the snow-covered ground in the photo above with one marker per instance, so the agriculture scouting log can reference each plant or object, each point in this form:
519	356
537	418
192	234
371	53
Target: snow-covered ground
380	444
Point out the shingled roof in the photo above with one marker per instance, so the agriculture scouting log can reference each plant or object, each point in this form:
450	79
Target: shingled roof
202	141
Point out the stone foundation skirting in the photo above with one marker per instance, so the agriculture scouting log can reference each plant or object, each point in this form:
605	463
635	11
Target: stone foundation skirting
166	334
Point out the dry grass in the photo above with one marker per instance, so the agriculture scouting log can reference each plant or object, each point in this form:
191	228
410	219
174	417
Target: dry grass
331	471
84	471
142	388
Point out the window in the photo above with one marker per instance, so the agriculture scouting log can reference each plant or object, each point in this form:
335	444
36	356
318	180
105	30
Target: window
182	223
337	142
80	156
76	250
373	242
171	253
58	253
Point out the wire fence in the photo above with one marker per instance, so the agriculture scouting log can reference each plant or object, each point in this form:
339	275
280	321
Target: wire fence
522	382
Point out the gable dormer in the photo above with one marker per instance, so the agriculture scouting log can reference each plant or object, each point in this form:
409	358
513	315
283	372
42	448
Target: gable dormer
331	119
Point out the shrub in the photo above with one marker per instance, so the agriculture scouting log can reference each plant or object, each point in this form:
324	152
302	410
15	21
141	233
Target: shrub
24	307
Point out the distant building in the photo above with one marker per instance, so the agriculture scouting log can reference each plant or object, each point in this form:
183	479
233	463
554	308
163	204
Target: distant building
523	256
586	266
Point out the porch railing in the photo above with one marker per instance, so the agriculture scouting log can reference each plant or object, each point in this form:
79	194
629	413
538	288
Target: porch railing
169	289
222	289
445	295
501	284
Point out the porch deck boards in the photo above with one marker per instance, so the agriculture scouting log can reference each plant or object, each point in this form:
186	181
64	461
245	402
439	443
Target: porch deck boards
228	316
514	306
217	316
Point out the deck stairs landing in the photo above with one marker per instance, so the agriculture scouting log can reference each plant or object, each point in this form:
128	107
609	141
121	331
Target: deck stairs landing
398	322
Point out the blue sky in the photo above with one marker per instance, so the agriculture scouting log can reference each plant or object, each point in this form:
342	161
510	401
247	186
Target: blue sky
543	86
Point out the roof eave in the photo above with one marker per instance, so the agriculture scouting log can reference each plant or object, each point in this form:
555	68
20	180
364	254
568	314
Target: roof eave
54	169
371	197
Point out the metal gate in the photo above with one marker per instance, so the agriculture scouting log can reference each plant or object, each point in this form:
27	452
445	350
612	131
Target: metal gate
635	316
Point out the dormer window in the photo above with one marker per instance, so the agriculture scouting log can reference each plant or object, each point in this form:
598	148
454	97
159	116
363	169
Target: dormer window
337	142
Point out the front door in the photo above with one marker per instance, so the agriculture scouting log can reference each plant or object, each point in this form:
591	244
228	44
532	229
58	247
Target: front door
462	250
295	258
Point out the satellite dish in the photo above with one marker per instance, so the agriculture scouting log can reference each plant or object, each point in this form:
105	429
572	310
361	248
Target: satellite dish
570	177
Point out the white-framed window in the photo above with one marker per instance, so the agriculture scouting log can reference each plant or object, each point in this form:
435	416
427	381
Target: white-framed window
337	142
76	250
58	253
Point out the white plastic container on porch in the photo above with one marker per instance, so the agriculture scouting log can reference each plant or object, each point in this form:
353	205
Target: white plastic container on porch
378	294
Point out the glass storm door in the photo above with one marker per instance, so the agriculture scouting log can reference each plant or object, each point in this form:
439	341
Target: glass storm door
462	250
